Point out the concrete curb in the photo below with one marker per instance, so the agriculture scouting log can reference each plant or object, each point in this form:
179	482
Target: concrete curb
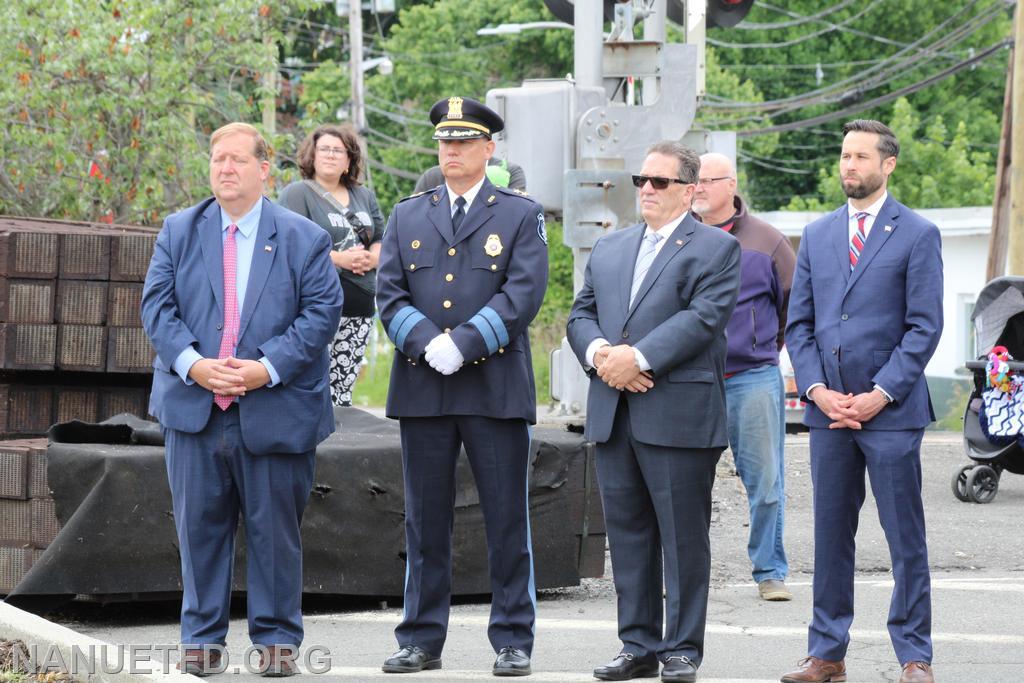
54	643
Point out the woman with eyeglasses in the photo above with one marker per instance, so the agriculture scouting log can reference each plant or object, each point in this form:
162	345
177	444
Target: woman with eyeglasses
330	194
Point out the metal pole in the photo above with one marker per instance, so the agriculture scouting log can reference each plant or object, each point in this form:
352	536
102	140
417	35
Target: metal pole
1016	223
269	103
654	30
588	18
355	39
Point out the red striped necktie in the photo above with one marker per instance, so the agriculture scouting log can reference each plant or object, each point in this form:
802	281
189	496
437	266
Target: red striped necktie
231	318
859	238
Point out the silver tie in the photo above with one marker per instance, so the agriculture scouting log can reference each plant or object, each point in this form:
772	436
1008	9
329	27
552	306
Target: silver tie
643	262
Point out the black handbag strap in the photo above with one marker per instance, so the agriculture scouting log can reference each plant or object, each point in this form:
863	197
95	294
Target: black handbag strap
357	225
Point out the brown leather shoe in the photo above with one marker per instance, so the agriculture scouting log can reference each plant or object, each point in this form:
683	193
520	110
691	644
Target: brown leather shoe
200	662
917	672
814	670
277	662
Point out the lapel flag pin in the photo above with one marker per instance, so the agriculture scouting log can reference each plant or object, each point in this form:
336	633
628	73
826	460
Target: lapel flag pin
268	248
679	242
888	228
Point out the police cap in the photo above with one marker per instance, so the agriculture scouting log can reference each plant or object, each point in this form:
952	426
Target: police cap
462	118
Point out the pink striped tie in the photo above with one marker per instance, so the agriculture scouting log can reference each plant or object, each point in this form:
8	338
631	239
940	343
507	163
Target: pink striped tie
859	238
231	318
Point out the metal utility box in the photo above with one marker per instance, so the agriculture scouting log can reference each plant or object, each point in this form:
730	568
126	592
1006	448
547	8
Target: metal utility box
540	117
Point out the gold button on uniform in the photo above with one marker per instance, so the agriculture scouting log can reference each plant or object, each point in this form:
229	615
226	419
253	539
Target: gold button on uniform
412	266
415	244
447	330
447	304
501	350
494	266
451	252
449	277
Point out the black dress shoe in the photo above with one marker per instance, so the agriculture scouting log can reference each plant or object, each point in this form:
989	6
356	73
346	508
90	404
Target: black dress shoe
409	660
679	669
511	661
627	665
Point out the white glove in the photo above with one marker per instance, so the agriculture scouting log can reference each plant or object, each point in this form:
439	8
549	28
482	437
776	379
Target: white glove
443	355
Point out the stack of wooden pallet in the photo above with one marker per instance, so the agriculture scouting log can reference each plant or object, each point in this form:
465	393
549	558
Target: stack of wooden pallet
27	520
71	340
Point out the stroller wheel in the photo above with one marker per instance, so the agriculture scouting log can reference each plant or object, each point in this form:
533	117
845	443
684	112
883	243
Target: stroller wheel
982	484
959	483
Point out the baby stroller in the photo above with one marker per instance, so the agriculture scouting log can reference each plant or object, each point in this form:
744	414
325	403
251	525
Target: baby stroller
998	321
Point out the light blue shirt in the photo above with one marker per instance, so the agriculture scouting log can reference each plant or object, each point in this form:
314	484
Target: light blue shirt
245	244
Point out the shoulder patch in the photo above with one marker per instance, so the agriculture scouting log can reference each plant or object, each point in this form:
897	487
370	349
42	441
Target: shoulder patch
542	232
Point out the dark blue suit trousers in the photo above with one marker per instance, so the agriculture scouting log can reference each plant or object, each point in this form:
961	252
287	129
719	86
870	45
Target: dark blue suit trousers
213	478
892	459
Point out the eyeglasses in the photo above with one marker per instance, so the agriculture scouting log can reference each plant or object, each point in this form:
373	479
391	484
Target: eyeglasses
332	151
712	181
656	182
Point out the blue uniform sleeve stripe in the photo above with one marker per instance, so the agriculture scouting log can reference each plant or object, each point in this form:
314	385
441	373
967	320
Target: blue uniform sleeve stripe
396	322
494	319
484	328
410	322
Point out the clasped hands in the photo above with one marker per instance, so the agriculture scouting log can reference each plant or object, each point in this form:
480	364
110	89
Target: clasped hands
848	411
356	259
443	355
616	366
229	376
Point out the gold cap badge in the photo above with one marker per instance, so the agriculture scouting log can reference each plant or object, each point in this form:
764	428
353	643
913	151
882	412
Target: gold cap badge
454	107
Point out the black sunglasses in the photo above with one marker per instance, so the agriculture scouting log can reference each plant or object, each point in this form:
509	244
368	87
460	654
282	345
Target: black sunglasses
657	183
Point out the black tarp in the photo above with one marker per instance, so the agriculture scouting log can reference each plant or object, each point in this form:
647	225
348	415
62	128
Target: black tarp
117	536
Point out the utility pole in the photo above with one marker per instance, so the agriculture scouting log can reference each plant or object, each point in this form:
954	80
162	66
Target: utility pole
1016	221
355	46
997	238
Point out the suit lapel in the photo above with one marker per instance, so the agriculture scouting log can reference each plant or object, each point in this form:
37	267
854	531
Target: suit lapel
628	264
440	214
211	242
886	218
263	253
680	237
480	211
841	240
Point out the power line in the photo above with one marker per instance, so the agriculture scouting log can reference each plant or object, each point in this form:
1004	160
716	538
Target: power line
884	99
773	167
751	26
870	78
795	41
426	151
391	170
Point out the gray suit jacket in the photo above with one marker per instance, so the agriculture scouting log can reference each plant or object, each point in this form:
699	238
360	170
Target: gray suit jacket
677	321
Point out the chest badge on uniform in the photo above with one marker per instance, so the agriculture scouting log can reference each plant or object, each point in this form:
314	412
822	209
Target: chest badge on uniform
493	245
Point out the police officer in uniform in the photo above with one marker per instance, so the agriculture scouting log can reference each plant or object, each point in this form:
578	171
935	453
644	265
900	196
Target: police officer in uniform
463	270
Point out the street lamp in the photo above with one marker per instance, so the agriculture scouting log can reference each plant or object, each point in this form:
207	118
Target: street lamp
508	29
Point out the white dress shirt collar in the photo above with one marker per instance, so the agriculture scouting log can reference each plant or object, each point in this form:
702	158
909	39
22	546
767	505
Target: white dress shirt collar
469	195
665	231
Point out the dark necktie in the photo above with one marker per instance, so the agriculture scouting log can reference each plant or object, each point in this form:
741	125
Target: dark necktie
460	213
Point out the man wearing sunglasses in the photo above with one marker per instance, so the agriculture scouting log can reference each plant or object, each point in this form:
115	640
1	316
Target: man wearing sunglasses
753	383
648	326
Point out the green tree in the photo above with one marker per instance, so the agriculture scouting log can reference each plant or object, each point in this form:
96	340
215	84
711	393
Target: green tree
828	62
927	148
108	104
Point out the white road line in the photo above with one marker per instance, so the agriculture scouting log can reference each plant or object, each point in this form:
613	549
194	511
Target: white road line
712	628
1000	584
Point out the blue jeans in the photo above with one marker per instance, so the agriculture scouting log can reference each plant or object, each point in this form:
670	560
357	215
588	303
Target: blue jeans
757	428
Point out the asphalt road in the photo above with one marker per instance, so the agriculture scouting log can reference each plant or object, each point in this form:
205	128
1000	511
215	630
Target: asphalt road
976	553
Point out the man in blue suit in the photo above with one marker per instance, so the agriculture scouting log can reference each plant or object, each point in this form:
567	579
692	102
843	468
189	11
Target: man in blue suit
649	327
463	269
240	302
865	315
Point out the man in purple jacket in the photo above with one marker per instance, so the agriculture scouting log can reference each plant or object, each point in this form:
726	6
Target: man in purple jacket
754	391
